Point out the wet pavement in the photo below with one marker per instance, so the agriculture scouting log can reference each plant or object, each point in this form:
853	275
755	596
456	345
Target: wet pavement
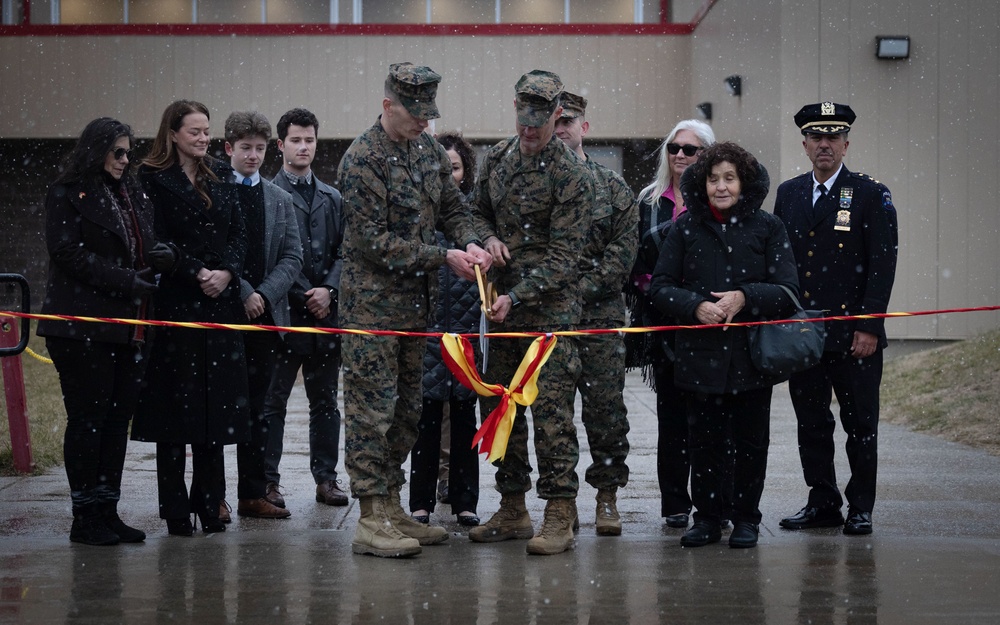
934	556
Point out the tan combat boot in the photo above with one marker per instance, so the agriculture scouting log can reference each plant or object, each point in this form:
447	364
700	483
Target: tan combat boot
609	523
556	535
376	535
510	521
425	534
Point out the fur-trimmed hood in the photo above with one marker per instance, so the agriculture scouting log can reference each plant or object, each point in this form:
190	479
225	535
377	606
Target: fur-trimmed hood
696	198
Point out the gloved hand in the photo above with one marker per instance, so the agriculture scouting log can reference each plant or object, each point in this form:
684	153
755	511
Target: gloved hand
143	283
162	257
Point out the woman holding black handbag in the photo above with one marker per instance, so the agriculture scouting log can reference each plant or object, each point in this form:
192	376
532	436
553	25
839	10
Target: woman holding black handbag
725	260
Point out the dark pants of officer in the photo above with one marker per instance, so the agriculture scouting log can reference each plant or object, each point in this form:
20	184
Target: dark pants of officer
262	352
320	373
746	416
856	383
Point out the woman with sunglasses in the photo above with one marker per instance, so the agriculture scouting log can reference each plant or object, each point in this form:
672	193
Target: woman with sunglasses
660	204
195	391
102	258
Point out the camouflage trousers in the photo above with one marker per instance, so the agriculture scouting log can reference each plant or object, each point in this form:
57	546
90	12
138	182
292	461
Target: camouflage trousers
382	407
556	446
605	417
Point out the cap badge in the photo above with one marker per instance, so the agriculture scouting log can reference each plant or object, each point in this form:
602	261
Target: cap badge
827	108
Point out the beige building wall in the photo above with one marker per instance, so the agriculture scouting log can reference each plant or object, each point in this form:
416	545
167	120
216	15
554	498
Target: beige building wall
64	82
927	127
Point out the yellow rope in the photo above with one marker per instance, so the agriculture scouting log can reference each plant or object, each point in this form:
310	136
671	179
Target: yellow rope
36	356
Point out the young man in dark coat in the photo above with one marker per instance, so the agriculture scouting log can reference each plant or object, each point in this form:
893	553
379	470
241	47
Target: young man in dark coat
273	261
842	227
313	302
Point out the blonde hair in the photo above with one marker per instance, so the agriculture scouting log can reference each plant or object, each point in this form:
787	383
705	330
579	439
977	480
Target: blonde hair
651	194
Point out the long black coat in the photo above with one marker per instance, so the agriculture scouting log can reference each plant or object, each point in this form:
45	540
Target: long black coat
750	253
196	389
91	269
845	271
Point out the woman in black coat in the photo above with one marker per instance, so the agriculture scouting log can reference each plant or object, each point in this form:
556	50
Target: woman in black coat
195	391
99	234
456	310
723	261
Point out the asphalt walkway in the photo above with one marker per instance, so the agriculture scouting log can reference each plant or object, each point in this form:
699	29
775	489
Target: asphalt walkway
934	556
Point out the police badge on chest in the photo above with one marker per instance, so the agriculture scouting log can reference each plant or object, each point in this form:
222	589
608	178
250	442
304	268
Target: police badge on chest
844	214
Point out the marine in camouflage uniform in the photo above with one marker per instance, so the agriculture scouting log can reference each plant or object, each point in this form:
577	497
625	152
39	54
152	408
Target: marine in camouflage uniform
607	259
397	185
532	207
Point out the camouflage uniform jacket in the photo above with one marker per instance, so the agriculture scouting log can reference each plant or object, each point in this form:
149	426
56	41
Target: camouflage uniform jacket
394	195
610	251
540	207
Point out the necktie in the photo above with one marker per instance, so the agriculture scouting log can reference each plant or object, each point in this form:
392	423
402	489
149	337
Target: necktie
248	182
822	193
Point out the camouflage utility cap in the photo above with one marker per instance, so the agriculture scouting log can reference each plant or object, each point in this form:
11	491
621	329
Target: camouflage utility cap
825	118
537	97
416	87
573	105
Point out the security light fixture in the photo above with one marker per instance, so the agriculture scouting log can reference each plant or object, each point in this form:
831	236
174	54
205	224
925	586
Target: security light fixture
734	84
892	47
705	110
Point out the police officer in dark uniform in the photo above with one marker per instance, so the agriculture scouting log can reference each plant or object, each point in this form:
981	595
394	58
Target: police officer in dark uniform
842	226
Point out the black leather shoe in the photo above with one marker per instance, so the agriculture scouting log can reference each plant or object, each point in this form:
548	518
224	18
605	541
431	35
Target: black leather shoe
421	518
744	535
676	520
810	517
858	523
468	520
701	533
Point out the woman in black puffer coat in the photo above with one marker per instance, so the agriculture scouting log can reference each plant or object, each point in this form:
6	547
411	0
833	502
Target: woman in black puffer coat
457	311
723	261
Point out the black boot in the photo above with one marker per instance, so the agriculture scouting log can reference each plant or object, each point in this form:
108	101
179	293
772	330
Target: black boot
126	533
89	528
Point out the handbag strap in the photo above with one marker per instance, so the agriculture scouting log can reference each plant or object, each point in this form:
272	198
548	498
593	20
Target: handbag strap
798	306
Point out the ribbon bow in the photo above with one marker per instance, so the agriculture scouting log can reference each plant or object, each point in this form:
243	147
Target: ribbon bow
494	434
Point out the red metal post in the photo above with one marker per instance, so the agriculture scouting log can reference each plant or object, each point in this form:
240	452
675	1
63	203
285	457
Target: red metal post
17	406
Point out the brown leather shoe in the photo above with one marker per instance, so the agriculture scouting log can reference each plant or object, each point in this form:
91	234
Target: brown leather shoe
261	509
272	492
330	493
225	512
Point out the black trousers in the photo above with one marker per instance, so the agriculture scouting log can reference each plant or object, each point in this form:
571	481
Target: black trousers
711	419
100	387
262	353
208	483
856	383
463	478
673	464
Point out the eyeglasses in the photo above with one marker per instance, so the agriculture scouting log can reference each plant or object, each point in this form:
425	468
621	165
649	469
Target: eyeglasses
118	153
689	150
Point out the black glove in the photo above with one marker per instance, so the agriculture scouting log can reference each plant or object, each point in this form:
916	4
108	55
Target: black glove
143	283
162	257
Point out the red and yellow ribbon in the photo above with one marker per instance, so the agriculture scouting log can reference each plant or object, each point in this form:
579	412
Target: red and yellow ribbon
494	434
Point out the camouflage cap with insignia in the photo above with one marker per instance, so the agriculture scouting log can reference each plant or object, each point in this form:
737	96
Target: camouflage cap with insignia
825	118
573	105
537	97
416	87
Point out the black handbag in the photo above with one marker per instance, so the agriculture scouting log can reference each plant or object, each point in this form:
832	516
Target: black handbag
785	348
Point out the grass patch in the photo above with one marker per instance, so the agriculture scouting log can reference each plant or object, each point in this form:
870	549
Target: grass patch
46	413
952	392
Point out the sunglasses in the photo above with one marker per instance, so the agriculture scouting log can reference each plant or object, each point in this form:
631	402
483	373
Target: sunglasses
689	150
118	153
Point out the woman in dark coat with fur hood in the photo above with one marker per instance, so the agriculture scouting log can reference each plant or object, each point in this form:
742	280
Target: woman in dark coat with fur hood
723	261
